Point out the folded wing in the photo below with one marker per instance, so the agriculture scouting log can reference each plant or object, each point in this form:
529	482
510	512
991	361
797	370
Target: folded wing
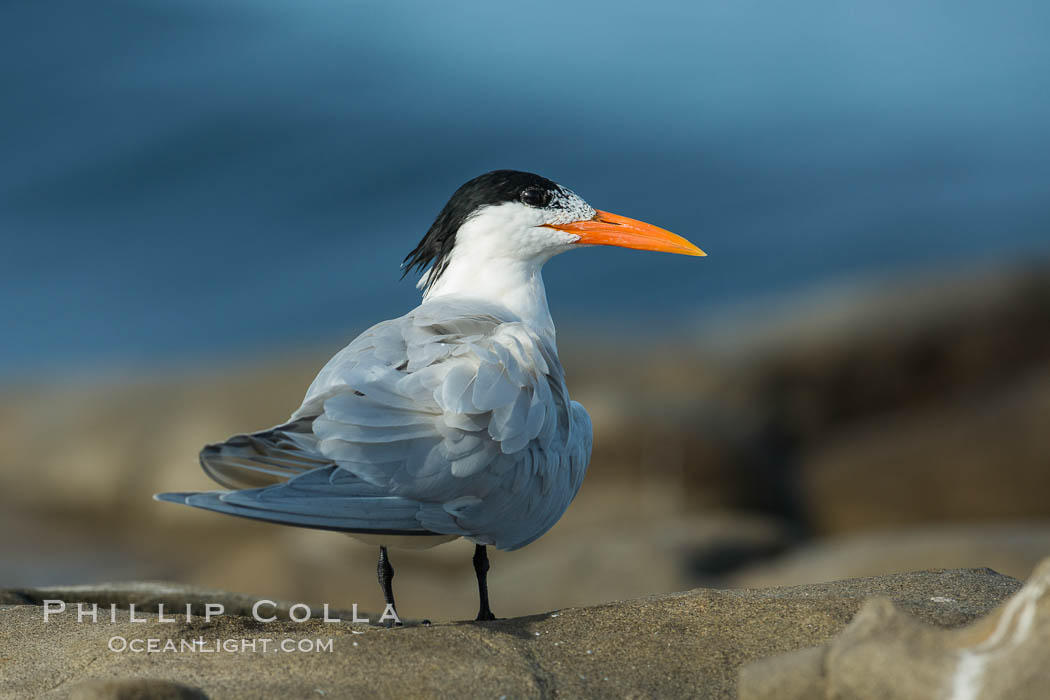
453	419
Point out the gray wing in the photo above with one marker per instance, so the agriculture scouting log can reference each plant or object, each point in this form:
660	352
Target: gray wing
453	419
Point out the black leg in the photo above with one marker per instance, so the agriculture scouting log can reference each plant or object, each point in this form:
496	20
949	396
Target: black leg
481	568
386	578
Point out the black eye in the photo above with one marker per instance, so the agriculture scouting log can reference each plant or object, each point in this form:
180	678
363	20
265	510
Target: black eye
535	197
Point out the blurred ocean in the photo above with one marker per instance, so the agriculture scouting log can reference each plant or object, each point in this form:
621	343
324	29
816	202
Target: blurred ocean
185	179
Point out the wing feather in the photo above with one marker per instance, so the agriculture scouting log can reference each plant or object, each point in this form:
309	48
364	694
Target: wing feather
453	419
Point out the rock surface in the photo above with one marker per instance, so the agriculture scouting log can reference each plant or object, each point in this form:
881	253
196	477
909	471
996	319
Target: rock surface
686	644
1000	657
1013	549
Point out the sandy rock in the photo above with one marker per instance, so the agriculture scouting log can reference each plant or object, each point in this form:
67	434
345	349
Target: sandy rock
679	645
886	653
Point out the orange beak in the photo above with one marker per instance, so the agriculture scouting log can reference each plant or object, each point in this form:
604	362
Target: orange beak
611	229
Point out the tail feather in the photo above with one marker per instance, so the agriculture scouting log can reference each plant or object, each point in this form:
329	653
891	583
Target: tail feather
279	476
348	506
263	459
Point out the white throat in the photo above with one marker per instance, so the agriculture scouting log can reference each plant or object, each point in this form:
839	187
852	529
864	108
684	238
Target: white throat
498	257
515	284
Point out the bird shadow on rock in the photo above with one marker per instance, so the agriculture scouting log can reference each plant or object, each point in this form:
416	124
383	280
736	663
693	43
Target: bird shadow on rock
518	627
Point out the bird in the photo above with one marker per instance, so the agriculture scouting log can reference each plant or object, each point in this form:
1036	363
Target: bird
453	420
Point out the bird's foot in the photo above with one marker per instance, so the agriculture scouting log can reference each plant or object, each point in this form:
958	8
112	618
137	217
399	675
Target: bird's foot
485	616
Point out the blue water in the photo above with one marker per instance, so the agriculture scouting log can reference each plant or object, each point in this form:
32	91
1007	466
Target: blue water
181	179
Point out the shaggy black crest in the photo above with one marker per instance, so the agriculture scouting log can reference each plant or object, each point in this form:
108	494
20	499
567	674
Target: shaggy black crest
496	187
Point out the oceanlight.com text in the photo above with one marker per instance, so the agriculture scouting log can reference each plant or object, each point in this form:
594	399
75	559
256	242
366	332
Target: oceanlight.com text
200	645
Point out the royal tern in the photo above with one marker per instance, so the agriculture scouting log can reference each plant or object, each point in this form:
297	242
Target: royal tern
453	420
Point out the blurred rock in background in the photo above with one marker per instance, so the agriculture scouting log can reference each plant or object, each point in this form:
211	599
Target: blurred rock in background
921	401
865	431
